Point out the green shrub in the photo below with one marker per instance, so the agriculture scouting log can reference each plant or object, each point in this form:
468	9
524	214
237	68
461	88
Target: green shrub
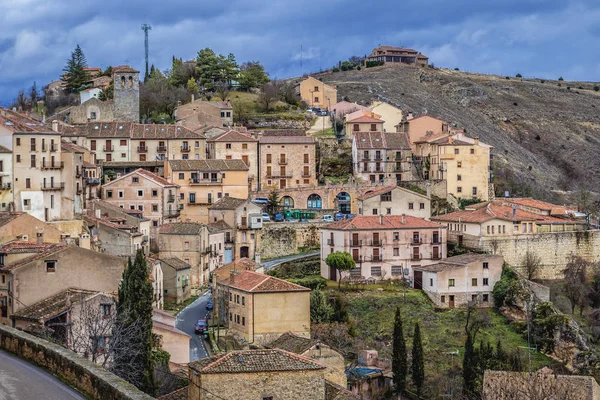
596	88
518	76
311	282
335	69
561	79
370	64
507	78
502	287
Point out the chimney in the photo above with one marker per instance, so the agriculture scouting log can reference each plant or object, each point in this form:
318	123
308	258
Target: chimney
39	237
514	212
409	116
476	140
380	219
450	139
55	125
84	241
98	213
403	218
232	275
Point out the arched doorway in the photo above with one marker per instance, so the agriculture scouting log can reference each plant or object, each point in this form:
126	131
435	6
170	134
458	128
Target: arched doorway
314	202
286	202
244	252
343	202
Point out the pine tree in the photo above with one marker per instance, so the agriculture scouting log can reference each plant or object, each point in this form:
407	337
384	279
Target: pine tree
469	368
418	362
320	310
399	358
75	74
133	358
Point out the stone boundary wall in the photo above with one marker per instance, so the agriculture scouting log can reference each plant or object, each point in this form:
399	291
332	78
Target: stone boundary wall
554	248
87	377
284	239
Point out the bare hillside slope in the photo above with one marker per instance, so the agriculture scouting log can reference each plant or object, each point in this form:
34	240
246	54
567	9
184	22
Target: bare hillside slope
546	138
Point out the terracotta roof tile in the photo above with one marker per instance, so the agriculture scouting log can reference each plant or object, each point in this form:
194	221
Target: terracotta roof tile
175	263
182	228
248	361
72	147
208	165
495	211
333	391
124	68
292	343
366	118
22	246
218	226
130	130
54	305
41	254
283	132
439	267
378	192
382	222
7	216
227	203
159	180
233	136
287	139
241	264
253	282
4	149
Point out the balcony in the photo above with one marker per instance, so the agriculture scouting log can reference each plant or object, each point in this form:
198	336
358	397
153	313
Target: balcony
416	241
53	148
78	174
185	149
376	243
229	241
53	165
436	241
280	175
305	175
210	181
378	158
80	191
161	149
142	149
53	186
436	256
171	198
5	186
93	181
206	250
145	239
416	257
330	242
355	243
377	258
172	214
200	202
283	162
108	149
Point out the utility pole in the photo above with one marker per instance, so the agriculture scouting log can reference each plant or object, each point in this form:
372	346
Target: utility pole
301	56
146	28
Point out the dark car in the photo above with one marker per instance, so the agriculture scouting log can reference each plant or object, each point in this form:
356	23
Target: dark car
278	218
201	326
338	217
348	216
209	305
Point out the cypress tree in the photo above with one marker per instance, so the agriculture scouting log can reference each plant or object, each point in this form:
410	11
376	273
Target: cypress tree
469	367
399	358
133	357
418	362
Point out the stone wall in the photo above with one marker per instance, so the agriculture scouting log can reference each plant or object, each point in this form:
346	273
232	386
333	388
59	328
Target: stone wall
554	248
283	239
87	377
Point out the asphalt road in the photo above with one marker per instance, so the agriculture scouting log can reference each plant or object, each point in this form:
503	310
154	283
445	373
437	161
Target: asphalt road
20	380
276	261
186	320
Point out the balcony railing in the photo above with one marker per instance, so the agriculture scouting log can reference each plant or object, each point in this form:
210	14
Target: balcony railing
416	257
171	198
436	241
172	213
355	243
283	162
142	149
53	148
229	240
161	149
53	186
78	174
53	165
376	243
210	181
93	181
279	175
5	186
108	148
330	242
377	257
437	256
185	149
416	241
200	202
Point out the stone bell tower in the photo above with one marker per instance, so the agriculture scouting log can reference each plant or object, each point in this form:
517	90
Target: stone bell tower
126	81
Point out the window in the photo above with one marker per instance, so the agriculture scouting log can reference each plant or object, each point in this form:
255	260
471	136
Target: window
486	265
33	161
244	321
228	114
486	298
374	211
473	297
230	296
373	127
459	164
411	206
316	89
396	235
388	211
228	145
135	179
154	208
443	299
268	159
230	314
121	195
243	298
27	183
421	206
356	128
132	207
105	310
472	151
50	265
18	158
459	177
474	282
124	142
459	189
99	344
316	100
109	194
181	175
450	282
375	271
396	251
18	141
187	245
109	157
396	270
93	115
430	281
474	191
455	151
486	281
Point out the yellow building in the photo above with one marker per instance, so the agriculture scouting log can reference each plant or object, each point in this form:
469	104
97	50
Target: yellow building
203	182
462	161
233	145
316	93
286	162
363	122
390	114
259	308
421	126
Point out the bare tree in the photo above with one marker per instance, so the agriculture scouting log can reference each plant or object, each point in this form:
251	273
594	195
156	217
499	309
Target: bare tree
289	93
576	288
269	94
223	89
532	264
477	319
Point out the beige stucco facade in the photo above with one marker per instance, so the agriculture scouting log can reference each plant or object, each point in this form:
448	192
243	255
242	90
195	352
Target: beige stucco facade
235	146
172	340
27	227
317	94
287	162
390	114
6	180
395	201
420	126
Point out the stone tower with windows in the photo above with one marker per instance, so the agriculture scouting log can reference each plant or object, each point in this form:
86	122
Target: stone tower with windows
126	81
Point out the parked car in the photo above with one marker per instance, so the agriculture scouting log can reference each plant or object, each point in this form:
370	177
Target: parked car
327	218
200	327
290	219
338	217
348	216
266	217
278	218
303	220
209	305
261	201
323	113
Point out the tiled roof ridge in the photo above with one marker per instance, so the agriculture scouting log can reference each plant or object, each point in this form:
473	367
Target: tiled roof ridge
234	353
35	257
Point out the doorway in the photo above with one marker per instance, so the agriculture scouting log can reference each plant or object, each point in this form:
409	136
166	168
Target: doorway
418	283
244	252
451	301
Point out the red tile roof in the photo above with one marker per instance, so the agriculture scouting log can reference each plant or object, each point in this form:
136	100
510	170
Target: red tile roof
287	139
130	130
495	211
55	304
250	281
22	246
41	254
249	361
154	177
124	68
381	140
365	118
540	205
233	136
382	222
377	192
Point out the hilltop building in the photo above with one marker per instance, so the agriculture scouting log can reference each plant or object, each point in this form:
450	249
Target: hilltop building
391	54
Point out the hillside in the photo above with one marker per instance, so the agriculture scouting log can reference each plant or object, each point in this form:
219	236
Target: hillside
546	138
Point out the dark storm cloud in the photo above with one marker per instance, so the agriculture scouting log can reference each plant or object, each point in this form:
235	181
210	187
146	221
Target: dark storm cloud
546	38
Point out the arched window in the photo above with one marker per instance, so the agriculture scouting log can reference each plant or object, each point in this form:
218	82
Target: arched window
314	202
287	201
122	81
343	201
130	81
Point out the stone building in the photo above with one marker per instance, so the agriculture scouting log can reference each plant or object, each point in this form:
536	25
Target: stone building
256	374
14	121
394	200
156	277
218	232
126	81
233	145
315	350
203	182
286	162
391	54
153	195
23	226
33	271
384	246
417	127
176	279
199	114
459	280
377	156
6	180
258	308
465	163
92	110
245	220
187	241
316	93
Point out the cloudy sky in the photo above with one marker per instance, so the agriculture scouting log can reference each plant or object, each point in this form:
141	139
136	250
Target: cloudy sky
541	38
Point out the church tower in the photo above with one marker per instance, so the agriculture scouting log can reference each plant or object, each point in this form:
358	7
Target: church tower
126	81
